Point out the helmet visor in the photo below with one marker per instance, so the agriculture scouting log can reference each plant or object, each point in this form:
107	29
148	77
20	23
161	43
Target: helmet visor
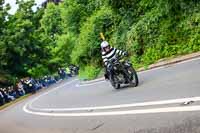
107	48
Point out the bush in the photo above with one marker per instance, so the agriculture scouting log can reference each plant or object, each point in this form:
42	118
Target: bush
89	72
62	51
38	71
143	33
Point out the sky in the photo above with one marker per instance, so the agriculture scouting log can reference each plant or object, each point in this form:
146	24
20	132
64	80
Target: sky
14	6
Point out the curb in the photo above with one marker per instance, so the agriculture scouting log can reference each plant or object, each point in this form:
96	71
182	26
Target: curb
171	61
92	81
162	62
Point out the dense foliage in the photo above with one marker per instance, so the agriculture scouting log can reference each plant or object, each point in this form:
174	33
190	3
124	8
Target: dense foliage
35	43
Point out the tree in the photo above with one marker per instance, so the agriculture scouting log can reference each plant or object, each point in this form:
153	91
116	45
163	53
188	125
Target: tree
61	53
51	21
3	16
88	48
22	45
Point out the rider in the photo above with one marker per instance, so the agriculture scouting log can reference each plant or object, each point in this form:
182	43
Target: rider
108	53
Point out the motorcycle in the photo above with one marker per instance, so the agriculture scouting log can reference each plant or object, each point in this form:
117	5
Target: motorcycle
122	72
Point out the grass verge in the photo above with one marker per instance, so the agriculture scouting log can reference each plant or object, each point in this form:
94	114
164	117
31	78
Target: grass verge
15	101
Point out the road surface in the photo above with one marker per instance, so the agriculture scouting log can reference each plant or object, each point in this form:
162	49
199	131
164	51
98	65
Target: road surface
167	100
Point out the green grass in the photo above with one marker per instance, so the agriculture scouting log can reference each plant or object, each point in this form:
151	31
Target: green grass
13	102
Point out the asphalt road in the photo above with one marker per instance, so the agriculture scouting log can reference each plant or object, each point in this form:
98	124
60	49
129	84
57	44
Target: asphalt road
167	100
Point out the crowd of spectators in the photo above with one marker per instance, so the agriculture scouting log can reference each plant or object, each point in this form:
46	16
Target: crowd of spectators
30	85
24	86
70	71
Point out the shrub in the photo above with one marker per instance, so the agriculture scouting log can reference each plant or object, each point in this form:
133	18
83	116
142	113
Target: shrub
38	71
89	72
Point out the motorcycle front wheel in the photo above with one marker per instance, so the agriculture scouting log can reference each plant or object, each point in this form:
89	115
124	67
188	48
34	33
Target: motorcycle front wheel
133	76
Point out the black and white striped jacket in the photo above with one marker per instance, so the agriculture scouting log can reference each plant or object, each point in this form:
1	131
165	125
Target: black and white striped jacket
111	54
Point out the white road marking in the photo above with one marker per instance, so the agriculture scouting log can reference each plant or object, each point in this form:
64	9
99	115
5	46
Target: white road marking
36	98
111	113
128	112
163	102
89	84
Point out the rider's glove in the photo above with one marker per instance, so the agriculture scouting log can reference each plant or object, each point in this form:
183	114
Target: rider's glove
125	53
108	65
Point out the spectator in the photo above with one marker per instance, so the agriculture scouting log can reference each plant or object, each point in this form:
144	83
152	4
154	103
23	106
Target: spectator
73	69
20	89
56	78
7	97
60	73
11	92
51	80
42	82
46	81
25	86
2	100
37	84
68	72
32	85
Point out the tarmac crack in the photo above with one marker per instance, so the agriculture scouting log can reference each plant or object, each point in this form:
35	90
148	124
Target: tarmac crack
98	126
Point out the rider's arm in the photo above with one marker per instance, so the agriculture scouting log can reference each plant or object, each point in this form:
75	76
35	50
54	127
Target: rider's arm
121	53
105	60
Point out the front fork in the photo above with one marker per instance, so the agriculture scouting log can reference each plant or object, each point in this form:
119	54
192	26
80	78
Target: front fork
128	75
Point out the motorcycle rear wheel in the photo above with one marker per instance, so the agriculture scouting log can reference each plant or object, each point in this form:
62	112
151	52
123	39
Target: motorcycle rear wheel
114	83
